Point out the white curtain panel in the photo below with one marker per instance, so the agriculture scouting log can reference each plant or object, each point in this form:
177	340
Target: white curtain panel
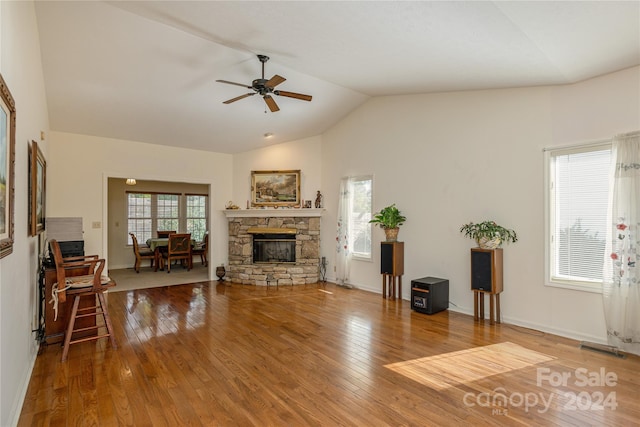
343	255
621	274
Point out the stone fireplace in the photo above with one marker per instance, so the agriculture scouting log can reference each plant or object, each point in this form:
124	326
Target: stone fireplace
279	245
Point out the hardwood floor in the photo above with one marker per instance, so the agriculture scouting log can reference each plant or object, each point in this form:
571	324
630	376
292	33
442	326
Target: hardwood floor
231	355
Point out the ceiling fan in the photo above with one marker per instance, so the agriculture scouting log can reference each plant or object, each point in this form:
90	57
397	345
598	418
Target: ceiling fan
265	88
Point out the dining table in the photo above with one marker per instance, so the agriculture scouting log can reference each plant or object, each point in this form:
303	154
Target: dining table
156	244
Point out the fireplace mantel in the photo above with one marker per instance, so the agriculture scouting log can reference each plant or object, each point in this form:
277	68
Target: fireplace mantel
270	213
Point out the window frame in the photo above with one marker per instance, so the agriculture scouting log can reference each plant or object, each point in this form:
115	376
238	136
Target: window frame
549	218
187	217
157	205
182	212
361	256
142	218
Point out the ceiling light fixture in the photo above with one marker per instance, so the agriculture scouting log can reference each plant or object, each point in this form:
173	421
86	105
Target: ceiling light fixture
268	135
130	181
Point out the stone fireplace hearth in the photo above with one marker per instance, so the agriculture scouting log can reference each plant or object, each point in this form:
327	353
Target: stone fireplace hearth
245	224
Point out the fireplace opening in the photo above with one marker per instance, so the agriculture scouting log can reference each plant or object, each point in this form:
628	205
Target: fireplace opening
272	248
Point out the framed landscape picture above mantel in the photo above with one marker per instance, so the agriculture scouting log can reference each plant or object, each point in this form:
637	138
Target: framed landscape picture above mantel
37	189
7	168
275	188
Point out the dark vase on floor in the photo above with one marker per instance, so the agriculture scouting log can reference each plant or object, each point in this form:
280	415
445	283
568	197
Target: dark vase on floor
220	272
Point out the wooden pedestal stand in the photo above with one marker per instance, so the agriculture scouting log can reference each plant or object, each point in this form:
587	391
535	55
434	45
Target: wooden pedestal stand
486	278
392	268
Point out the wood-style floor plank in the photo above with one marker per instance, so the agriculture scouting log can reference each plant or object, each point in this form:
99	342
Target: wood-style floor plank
212	354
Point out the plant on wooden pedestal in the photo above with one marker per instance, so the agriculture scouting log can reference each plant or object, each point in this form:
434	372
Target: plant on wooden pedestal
389	219
488	234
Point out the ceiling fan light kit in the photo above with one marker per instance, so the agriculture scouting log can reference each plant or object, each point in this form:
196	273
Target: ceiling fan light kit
265	88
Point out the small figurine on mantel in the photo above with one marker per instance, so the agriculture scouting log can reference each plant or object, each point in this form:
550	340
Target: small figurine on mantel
318	200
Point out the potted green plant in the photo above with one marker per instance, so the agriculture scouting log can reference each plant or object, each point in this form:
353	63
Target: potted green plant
389	219
488	234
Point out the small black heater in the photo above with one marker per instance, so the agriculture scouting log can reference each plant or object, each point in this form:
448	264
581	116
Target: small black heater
429	295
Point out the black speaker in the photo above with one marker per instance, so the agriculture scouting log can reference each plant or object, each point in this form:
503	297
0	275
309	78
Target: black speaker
392	258
481	271
486	270
386	259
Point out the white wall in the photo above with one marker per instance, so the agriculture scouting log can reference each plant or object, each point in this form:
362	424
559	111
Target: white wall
450	158
305	154
80	165
22	71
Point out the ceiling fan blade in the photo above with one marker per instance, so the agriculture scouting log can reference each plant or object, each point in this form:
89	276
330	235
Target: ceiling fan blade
271	103
233	83
293	95
274	81
238	98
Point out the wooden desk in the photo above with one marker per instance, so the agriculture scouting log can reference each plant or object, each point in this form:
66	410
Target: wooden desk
54	329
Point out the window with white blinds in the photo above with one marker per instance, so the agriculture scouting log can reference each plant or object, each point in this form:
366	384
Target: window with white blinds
578	195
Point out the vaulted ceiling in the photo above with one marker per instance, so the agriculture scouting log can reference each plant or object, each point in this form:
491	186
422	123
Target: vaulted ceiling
145	71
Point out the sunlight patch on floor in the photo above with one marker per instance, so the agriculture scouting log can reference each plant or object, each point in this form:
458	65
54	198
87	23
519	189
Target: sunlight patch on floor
459	367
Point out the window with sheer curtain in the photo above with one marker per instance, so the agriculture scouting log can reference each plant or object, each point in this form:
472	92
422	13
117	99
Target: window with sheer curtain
577	200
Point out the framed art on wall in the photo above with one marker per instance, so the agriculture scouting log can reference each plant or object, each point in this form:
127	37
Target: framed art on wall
37	190
7	168
275	188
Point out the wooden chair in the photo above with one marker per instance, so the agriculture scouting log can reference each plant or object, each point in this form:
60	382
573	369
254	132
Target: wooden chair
165	233
141	254
201	249
92	285
179	248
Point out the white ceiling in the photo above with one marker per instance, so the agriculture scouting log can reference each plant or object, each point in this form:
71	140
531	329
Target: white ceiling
145	71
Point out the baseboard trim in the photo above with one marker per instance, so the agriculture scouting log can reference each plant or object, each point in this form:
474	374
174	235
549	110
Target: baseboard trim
16	409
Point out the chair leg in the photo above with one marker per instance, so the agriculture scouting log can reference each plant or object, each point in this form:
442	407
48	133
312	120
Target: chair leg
136	265
72	321
107	319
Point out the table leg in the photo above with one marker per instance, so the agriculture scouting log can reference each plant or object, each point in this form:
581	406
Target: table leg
481	305
497	308
399	287
156	253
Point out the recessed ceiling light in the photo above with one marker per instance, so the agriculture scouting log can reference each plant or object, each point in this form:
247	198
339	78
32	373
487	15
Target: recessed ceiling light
268	135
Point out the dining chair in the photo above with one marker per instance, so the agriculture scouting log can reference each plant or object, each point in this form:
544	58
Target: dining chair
92	285
179	248
202	249
165	233
141	254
